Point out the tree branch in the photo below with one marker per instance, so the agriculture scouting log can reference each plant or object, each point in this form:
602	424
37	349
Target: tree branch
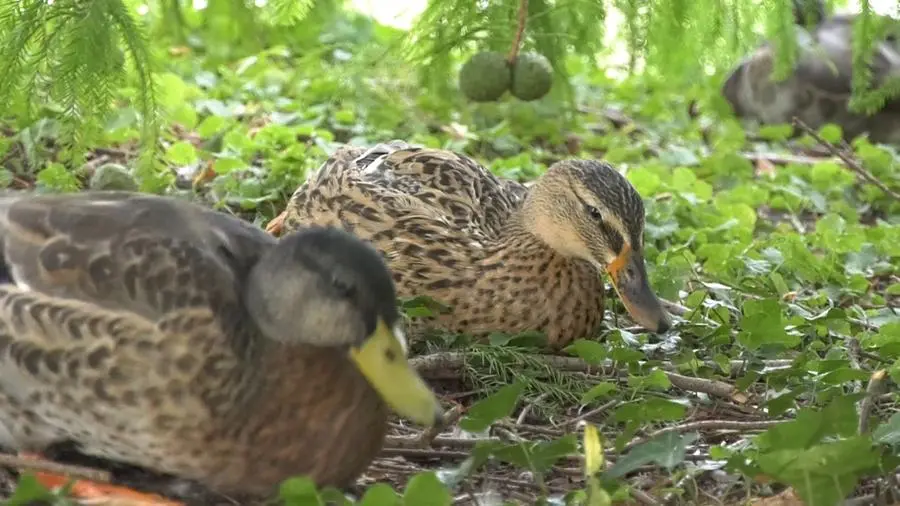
848	160
448	364
705	424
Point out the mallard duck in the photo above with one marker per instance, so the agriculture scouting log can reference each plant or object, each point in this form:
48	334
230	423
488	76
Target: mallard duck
157	333
819	89
504	257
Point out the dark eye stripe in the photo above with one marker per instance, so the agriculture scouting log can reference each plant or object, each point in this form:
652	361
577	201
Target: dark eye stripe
616	241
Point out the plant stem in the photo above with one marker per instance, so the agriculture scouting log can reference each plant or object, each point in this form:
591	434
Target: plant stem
517	41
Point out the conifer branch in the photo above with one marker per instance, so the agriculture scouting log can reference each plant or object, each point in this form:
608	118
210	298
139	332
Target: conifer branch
520	31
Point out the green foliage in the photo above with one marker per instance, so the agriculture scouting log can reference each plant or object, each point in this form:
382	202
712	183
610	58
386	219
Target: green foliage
788	269
29	491
868	29
668	450
77	52
457	25
74	53
490	409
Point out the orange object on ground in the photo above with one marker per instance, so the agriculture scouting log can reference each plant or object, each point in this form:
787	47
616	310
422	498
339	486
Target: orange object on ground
98	493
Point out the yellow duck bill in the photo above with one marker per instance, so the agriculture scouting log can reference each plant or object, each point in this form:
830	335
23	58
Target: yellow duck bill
382	360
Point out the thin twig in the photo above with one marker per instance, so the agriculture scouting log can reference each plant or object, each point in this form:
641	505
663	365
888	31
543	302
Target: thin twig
706	424
537	429
450	418
584	416
674	307
448	364
45	466
508	434
520	31
863	500
644	498
424	453
848	160
521	483
783	159
527	409
711	387
392	442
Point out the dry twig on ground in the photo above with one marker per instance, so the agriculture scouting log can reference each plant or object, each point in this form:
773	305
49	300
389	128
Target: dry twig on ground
849	161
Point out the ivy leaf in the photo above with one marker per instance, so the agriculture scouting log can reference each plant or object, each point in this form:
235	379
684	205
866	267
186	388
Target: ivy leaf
380	494
831	133
592	352
656	379
601	389
174	91
888	432
779	404
666	450
345	116
538	456
652	409
645	181
498	405
825	473
299	491
425	489
779	132
838	418
182	153
56	177
763	325
334	497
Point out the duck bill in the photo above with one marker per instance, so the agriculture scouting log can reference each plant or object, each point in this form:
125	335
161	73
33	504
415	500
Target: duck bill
629	277
382	360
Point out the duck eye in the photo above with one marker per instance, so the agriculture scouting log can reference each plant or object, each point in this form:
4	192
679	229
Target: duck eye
595	213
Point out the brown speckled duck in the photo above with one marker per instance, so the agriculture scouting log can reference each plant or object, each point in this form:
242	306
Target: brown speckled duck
503	256
819	89
154	332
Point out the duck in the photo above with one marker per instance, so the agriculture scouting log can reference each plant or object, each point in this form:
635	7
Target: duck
497	255
819	89
155	332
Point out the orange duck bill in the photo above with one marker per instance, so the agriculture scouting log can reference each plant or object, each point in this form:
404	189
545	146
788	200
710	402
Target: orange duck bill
100	494
629	277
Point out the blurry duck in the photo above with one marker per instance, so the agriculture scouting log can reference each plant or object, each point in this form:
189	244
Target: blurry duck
154	332
819	89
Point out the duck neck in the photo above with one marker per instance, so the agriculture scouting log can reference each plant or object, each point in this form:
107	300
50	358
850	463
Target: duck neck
535	226
517	235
